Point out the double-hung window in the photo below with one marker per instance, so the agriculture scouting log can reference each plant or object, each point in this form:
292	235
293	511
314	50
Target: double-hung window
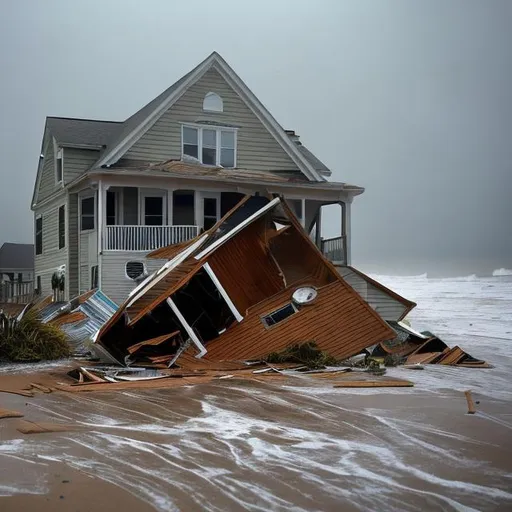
210	145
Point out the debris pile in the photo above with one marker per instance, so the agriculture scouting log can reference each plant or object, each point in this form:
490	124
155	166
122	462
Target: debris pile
251	290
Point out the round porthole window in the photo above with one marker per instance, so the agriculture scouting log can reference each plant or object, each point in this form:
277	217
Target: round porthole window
135	270
304	295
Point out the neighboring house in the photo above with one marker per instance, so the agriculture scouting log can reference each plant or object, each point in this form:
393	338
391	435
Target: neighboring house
16	271
108	193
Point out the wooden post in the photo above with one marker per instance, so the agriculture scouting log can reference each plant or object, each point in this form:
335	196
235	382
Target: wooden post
471	405
318	234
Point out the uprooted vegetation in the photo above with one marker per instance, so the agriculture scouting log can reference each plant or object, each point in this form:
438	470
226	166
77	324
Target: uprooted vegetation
28	339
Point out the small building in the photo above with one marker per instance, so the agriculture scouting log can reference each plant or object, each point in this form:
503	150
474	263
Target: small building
108	193
16	272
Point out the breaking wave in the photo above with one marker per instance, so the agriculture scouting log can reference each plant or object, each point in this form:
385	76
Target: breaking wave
501	272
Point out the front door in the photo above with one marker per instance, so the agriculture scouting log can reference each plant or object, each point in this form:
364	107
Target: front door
211	208
153	207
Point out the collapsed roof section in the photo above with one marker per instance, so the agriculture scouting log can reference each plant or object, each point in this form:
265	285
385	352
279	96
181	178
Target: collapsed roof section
251	285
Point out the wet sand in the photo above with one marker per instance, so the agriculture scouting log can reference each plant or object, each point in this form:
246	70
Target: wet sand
296	444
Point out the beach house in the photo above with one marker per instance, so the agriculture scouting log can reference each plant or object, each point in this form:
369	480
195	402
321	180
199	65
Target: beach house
108	193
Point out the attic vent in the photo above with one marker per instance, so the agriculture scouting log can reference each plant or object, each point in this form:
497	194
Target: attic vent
135	270
213	102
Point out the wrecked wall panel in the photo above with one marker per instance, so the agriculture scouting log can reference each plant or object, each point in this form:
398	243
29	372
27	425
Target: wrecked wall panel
337	321
297	259
245	269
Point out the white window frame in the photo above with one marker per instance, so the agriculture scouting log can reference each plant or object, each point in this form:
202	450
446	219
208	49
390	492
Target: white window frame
217	97
218	130
58	227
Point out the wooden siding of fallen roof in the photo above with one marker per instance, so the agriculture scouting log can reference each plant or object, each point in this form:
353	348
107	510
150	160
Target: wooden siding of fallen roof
338	321
297	259
245	269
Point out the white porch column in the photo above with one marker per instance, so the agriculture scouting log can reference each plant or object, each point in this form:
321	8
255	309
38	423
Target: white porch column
170	199
346	229
101	226
318	233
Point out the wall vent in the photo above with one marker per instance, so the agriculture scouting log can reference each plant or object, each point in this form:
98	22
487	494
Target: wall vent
135	270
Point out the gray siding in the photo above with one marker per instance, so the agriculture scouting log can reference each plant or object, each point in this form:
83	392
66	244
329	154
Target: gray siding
386	306
52	257
257	149
47	183
114	282
77	161
73	245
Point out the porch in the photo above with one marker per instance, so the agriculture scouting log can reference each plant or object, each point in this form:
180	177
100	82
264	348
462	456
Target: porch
133	219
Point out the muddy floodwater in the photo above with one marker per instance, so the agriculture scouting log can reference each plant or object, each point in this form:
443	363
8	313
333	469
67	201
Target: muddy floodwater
296	445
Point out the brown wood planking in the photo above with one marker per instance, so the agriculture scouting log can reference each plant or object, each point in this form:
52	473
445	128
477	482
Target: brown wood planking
152	342
336	321
245	269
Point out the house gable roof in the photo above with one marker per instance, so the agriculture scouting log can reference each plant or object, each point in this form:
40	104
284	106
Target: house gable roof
83	132
16	256
138	124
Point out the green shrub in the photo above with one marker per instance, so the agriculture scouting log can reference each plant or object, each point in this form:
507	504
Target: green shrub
29	339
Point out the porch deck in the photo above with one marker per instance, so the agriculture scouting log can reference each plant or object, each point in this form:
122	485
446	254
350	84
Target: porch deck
149	238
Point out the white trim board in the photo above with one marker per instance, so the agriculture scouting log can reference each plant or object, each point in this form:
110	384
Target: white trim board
190	331
223	292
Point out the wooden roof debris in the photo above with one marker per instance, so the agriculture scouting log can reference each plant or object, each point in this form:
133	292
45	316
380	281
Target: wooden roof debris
229	294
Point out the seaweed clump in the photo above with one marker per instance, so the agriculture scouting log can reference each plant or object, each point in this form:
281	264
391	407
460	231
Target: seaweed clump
306	353
28	339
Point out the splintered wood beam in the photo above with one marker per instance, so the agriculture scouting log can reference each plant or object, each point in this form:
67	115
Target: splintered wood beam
152	342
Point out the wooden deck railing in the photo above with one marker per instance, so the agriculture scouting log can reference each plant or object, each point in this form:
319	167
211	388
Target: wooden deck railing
17	292
146	238
334	249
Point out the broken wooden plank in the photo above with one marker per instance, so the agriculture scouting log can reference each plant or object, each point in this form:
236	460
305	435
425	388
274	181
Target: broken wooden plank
40	387
471	405
91	375
374	384
6	413
152	342
18	392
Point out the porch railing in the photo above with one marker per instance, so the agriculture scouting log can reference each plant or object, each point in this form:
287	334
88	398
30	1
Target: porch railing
334	249
146	238
17	292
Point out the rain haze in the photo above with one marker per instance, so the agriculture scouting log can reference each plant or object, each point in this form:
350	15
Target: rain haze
410	99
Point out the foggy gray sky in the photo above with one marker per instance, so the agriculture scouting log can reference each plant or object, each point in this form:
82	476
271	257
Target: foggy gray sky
410	99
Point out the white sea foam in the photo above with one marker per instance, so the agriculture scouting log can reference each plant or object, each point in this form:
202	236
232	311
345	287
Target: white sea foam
502	272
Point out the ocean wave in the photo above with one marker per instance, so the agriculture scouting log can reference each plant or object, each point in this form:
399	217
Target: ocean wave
501	272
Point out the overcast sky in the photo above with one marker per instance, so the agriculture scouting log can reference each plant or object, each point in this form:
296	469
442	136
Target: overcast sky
410	99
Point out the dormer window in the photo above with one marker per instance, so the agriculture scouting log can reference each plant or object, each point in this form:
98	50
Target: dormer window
213	103
58	166
211	145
